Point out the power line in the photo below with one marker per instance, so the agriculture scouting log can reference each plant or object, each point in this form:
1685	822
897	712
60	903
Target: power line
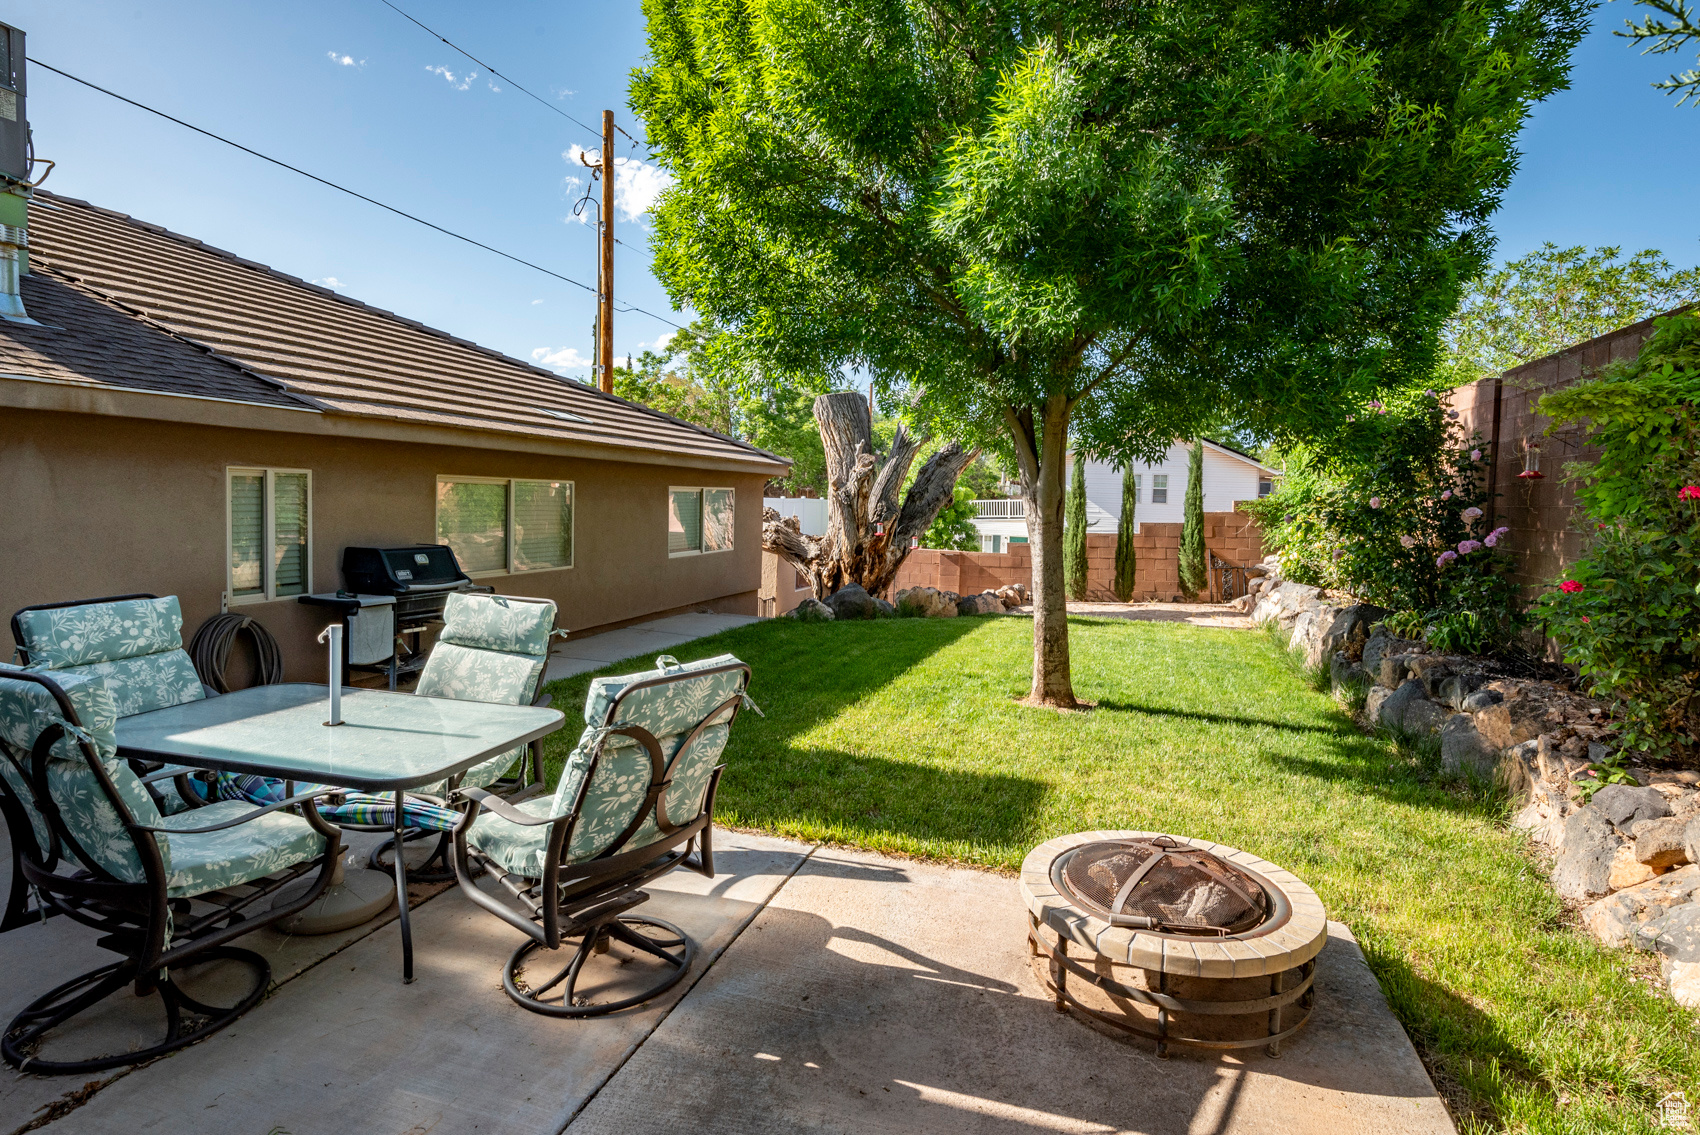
340	188
456	47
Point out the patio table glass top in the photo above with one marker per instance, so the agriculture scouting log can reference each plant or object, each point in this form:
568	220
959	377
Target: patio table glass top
386	741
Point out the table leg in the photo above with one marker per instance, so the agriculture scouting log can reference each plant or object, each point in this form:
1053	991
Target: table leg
401	895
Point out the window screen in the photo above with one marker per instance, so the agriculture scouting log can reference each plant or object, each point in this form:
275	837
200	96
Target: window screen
1264	487
1159	488
472	518
247	533
289	534
684	520
543	524
716	519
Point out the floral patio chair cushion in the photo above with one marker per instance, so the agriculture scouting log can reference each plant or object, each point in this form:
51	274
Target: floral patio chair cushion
26	709
135	645
670	711
210	861
491	649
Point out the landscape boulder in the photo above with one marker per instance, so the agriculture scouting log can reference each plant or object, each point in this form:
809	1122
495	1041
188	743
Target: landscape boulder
1380	644
1462	749
1691	835
1676	938
1423	717
851	602
1618	919
1455	689
925	603
1627	871
1583	872
1343	672
810	610
1625	805
1478	700
1374	701
1661	843
984	603
1393	709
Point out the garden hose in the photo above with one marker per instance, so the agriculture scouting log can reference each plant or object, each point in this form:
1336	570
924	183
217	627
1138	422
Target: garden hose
210	649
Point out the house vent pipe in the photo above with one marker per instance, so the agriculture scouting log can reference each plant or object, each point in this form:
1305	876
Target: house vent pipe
14	242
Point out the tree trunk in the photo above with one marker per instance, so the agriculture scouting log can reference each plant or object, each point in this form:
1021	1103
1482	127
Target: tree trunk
1041	451
867	531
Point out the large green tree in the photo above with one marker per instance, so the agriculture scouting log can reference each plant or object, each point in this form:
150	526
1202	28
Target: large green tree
1128	219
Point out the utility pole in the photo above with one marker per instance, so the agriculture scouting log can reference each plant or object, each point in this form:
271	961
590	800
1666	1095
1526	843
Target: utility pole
605	295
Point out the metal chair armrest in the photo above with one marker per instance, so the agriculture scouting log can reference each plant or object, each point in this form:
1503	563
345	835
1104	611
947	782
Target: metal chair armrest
246	816
507	811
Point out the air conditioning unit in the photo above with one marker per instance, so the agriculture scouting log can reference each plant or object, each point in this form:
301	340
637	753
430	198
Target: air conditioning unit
14	125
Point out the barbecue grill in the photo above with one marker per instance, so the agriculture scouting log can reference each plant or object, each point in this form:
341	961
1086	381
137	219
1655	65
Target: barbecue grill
391	597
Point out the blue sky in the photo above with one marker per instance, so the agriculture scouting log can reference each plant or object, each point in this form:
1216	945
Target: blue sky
353	92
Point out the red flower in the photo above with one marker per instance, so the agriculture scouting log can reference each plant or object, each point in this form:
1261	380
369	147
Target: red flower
1584	618
1689	493
1570	587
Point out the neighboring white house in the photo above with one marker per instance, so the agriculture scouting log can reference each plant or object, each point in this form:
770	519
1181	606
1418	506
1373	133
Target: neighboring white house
809	511
1229	476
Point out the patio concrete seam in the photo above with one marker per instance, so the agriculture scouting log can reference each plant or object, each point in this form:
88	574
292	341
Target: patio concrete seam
680	1000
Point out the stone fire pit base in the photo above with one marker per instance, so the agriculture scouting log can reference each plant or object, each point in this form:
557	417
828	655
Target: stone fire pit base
1214	993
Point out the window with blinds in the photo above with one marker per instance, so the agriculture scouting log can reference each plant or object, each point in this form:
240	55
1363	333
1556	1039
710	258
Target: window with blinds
699	520
506	525
1159	488
269	521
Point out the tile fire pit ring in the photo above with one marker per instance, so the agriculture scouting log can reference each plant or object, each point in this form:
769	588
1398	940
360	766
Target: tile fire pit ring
1195	991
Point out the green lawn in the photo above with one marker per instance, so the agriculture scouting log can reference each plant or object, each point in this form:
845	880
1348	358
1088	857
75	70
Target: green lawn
903	736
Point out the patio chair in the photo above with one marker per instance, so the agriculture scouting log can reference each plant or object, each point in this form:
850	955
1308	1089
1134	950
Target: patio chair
634	800
492	648
133	643
165	892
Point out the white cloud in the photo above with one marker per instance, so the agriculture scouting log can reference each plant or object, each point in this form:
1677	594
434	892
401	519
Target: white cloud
458	82
659	348
342	60
567	358
534	303
329	282
495	90
637	183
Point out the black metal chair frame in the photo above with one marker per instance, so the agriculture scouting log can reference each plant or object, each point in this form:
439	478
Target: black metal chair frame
515	788
135	918
590	901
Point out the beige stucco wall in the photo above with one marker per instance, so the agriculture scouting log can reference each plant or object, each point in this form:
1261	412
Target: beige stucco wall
93	505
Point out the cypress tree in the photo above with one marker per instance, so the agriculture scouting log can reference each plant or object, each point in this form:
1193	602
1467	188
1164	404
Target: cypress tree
1194	578
1127	561
1074	531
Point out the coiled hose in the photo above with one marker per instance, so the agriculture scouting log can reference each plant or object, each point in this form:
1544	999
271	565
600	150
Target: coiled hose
210	649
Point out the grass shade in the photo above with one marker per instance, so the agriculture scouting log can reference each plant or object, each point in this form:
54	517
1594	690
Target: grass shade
904	737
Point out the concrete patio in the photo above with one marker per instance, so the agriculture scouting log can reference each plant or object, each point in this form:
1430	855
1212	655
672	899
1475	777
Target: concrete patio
833	991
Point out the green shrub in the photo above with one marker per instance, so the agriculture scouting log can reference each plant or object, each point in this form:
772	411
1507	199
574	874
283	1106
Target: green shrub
1074	530
1628	612
1194	574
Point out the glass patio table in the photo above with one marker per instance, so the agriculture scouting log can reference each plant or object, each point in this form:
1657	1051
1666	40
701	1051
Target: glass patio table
386	742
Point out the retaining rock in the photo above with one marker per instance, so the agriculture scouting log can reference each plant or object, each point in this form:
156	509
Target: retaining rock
1462	749
1624	806
1617	920
984	603
1661	843
1423	717
1393	709
810	610
1583	872
925	603
852	602
1627	871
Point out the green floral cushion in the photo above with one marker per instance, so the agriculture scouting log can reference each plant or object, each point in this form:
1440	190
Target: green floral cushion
25	710
468	674
479	775
134	645
101	632
671	708
210	860
495	622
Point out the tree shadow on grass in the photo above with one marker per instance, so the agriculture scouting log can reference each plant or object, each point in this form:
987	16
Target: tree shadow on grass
1220	718
815	672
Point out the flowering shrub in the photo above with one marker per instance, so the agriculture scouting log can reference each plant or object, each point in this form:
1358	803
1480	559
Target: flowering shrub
1629	612
1393	512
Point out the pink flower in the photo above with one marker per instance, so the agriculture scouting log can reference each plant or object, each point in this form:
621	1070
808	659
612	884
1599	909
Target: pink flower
1453	414
1689	493
1491	539
1502	530
1431	394
1475	455
1445	558
1446	496
1375	502
1570	587
1584	618
1469	514
1407	541
1465	547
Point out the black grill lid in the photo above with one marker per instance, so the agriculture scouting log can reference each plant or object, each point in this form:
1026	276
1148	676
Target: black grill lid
1162	884
396	571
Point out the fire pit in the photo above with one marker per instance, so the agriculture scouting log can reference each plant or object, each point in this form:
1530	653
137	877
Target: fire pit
1181	941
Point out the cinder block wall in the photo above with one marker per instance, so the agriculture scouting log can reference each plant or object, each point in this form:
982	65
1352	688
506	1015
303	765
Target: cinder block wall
1232	536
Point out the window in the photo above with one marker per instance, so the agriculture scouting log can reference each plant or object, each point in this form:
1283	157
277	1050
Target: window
1159	488
993	543
269	529
1265	486
699	520
506	526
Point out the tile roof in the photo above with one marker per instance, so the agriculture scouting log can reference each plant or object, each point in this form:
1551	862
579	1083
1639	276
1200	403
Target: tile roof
89	342
346	357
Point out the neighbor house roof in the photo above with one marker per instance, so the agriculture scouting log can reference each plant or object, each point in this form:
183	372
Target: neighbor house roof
324	349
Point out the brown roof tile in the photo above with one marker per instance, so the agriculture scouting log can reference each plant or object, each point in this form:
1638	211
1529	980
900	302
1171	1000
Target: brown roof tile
341	354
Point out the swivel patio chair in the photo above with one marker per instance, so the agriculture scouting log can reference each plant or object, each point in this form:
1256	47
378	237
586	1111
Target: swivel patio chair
635	799
134	643
166	892
492	648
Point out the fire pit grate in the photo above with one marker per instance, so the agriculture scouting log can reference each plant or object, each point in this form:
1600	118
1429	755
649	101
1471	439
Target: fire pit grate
1162	884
